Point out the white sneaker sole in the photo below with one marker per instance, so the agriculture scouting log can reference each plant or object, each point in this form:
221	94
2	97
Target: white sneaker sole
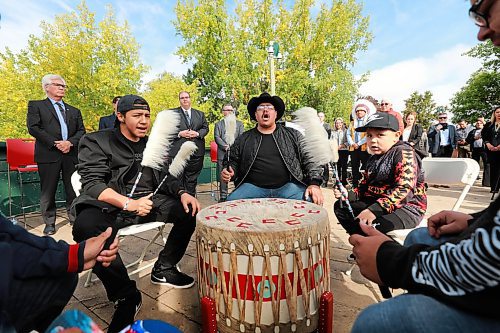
172	285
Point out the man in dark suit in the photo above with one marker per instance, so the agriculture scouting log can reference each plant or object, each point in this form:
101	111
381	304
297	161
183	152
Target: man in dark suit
57	128
193	127
109	121
222	146
442	137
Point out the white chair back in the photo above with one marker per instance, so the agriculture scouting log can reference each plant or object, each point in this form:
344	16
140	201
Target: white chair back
451	171
444	171
76	183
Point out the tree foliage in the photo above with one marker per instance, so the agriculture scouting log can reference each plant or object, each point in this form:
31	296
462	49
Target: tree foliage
97	60
423	105
482	91
231	61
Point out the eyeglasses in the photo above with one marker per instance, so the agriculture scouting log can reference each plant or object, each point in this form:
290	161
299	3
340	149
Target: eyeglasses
384	104
360	110
480	19
264	107
442	117
230	110
59	85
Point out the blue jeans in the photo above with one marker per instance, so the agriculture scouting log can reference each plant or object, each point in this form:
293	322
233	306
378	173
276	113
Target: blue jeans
419	313
250	191
421	236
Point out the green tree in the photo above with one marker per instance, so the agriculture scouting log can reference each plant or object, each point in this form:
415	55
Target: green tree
163	93
423	105
97	60
231	60
481	93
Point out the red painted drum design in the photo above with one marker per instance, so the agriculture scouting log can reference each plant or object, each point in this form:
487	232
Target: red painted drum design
265	263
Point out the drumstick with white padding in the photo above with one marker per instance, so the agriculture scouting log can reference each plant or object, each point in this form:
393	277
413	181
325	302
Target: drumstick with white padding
164	131
230	136
179	162
338	183
317	146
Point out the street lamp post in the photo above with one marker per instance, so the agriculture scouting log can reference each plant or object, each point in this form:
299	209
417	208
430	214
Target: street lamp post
273	52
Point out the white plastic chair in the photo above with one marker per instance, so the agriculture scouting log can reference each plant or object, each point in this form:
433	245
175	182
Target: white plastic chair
444	171
124	232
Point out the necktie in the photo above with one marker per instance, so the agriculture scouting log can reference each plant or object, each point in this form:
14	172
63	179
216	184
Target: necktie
187	117
61	109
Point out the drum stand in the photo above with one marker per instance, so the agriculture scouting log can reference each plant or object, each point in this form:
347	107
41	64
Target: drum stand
325	323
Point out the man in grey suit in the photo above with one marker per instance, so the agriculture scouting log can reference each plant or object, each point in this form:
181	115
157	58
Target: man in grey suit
442	137
57	128
222	146
193	127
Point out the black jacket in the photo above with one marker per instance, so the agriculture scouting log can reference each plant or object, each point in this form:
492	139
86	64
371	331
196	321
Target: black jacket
26	257
246	147
44	126
107	121
462	272
199	124
105	157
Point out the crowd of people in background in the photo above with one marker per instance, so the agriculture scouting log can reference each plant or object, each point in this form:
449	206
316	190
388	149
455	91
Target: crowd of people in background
478	141
45	271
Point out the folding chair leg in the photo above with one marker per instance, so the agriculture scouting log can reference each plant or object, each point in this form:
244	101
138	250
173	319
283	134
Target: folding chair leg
10	192
22	198
143	253
88	279
349	271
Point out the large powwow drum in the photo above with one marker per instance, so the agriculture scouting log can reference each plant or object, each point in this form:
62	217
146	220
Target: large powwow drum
265	263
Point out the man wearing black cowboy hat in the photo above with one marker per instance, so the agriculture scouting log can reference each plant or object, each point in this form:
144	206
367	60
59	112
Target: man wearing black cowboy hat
268	161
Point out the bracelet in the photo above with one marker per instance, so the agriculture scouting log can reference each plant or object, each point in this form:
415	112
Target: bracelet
181	192
126	204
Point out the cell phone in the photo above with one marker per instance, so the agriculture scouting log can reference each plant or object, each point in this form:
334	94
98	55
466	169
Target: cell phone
445	126
357	228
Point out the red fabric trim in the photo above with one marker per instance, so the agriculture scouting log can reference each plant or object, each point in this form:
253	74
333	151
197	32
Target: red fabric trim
73	258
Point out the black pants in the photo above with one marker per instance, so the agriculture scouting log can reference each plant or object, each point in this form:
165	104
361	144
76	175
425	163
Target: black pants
49	179
91	221
358	159
191	173
494	161
34	303
444	151
326	174
480	154
222	185
342	165
385	223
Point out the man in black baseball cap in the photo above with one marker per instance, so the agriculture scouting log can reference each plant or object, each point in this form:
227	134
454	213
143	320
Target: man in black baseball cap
109	162
130	102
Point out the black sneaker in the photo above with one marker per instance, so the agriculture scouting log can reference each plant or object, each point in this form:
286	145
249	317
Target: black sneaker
171	277
126	310
351	258
49	229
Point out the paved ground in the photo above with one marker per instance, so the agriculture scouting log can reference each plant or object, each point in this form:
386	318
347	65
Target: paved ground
181	307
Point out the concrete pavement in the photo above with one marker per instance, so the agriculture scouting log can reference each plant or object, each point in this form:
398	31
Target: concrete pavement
181	307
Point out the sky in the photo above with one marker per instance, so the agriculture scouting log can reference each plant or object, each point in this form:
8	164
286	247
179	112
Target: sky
417	45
